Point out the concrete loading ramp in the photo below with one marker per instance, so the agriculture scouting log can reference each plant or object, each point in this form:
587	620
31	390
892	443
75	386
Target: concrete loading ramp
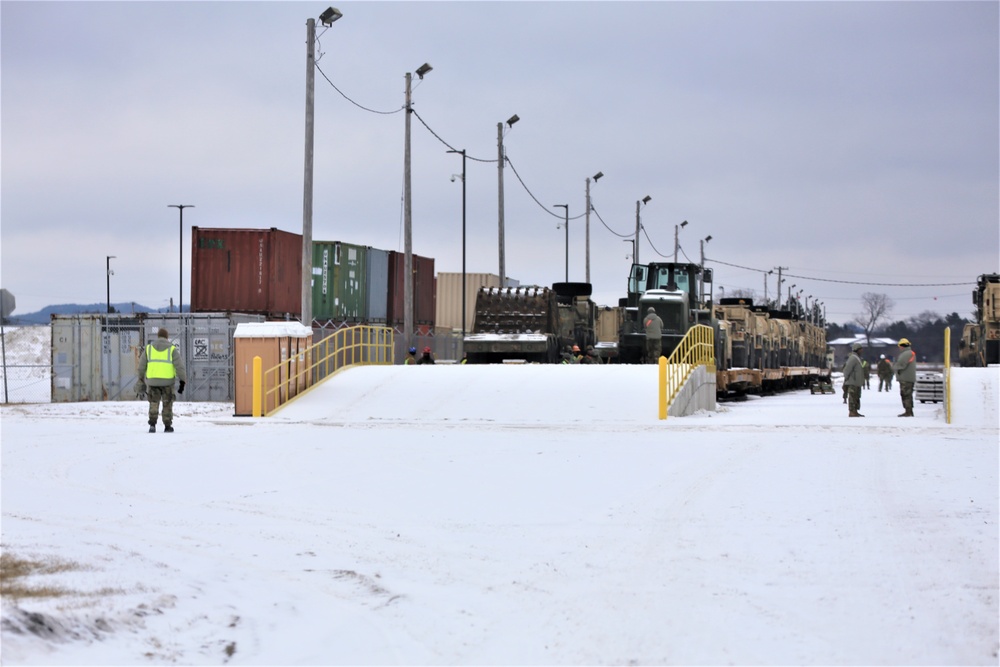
500	393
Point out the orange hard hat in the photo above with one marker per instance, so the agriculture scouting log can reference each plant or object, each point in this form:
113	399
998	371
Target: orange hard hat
576	348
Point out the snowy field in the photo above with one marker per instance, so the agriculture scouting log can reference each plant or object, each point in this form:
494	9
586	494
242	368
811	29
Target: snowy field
504	515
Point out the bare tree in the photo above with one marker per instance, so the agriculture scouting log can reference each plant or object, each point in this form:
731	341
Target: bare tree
875	309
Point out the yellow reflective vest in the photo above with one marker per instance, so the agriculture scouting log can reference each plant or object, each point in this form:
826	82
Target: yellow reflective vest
160	363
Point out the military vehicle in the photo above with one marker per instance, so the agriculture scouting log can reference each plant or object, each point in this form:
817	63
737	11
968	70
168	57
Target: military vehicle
531	323
980	344
671	289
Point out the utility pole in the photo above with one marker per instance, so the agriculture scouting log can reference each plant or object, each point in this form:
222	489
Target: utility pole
407	233
587	235
501	158
408	217
566	207
677	243
597	177
780	269
635	249
109	272
307	181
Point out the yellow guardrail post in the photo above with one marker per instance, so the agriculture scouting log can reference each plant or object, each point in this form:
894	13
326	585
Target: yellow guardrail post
663	387
258	385
947	375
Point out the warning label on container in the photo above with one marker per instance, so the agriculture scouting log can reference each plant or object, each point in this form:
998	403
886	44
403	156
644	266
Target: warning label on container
199	348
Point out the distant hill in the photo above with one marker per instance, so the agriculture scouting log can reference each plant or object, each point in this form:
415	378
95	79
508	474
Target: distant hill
44	316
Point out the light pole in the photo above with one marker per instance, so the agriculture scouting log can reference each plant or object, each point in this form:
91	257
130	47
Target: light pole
501	158
326	18
765	285
180	208
677	243
109	272
408	217
566	223
635	248
462	152
701	276
596	177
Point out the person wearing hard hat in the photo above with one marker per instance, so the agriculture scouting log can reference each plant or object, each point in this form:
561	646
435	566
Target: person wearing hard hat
411	357
654	335
426	357
854	379
884	370
905	367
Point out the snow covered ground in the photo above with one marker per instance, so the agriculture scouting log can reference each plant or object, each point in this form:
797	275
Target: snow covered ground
504	515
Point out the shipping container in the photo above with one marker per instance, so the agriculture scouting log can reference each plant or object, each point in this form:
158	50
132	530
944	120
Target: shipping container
378	285
423	289
95	356
339	282
246	271
449	298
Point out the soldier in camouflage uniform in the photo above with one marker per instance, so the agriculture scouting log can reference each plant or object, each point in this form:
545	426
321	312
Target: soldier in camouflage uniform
160	365
854	379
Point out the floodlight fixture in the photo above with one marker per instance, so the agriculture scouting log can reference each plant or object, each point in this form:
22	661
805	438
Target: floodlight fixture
646	199
708	238
423	69
513	119
598	175
684	224
329	16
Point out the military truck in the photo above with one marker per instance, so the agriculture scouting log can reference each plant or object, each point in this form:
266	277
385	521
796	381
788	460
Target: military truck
531	324
671	289
980	344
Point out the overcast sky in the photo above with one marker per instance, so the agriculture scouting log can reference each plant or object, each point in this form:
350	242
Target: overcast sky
855	144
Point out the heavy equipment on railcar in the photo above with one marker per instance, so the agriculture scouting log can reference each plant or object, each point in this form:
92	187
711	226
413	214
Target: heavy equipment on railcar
532	324
671	289
980	344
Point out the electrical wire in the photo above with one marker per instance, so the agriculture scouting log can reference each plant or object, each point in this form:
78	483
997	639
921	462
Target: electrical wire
360	106
438	137
844	282
621	236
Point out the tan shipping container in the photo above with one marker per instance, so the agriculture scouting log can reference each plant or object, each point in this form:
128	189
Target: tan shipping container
449	298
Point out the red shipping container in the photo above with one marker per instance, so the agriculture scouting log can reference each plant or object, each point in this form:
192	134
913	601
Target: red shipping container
246	271
424	290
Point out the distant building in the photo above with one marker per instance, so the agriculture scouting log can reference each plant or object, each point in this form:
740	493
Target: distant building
842	349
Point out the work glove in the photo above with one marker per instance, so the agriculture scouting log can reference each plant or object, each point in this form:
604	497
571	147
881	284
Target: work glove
180	387
140	392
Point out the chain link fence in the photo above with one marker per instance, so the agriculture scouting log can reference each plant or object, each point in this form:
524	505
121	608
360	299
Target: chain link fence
25	364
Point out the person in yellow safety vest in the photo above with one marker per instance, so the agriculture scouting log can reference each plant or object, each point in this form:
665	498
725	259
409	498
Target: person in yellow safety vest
160	365
411	357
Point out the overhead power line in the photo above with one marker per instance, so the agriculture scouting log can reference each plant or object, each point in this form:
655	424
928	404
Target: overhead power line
844	282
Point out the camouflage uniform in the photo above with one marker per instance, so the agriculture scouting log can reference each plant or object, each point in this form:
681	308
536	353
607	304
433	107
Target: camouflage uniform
853	381
654	336
906	371
160	365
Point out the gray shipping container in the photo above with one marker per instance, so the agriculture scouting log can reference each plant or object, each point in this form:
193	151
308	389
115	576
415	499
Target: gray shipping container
95	356
377	279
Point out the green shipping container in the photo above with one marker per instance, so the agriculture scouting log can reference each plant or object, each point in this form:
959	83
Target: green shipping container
339	292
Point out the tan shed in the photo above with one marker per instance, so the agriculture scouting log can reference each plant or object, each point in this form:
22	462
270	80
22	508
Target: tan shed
274	343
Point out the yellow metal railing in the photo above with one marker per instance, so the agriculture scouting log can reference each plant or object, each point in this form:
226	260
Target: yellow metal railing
352	346
697	348
947	375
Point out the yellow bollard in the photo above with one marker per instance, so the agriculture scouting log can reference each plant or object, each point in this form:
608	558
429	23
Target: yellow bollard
258	377
663	387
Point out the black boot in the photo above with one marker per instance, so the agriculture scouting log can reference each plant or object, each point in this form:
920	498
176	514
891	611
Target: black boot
152	428
168	429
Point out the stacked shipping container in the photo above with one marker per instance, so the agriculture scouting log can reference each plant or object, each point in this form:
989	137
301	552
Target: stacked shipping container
258	271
